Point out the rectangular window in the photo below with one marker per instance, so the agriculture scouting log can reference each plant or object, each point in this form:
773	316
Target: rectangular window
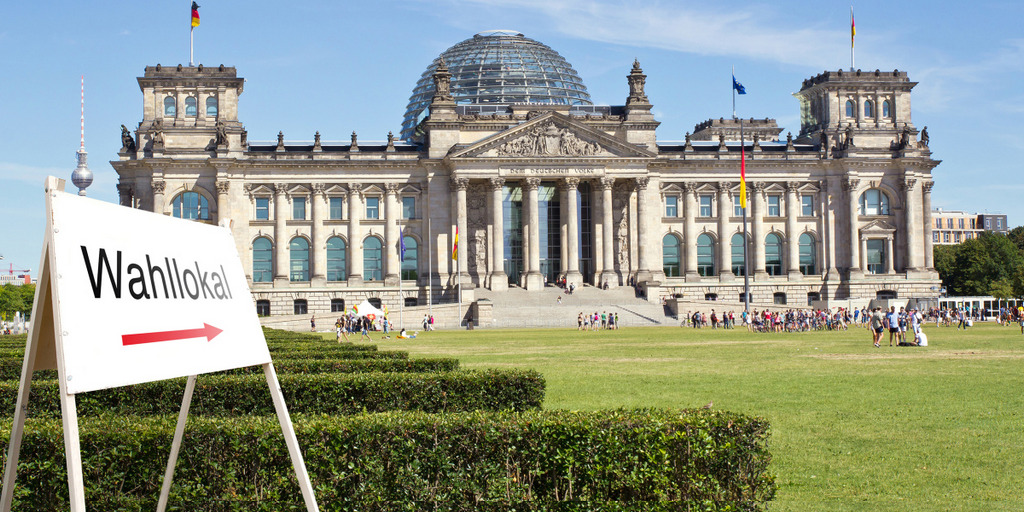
299	208
988	223
372	207
999	224
938	223
960	223
300	307
956	237
774	209
408	207
974	223
262	208
949	223
336	208
807	205
705	205
945	237
876	256
737	208
935	237
671	206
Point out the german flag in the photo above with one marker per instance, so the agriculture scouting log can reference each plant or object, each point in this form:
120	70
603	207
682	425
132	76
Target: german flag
195	15
455	246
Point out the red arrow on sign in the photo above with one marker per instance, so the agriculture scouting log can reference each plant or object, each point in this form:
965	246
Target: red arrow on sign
208	331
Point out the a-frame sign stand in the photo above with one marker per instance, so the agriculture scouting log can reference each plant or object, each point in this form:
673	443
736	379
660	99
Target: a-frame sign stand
47	348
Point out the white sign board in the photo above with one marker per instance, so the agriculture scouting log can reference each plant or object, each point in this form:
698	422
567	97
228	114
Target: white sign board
145	297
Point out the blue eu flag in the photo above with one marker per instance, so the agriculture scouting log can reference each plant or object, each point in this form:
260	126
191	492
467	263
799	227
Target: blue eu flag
401	245
738	86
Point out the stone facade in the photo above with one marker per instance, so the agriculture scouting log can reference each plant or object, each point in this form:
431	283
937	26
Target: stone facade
539	193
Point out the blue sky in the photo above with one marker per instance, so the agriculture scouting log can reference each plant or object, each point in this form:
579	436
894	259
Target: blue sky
339	67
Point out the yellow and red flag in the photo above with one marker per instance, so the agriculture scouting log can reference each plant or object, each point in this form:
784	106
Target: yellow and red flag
455	246
853	27
195	15
743	177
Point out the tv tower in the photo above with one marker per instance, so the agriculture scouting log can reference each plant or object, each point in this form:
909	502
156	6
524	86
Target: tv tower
82	176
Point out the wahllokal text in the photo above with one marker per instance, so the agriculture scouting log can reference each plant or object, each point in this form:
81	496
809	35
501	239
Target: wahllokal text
174	283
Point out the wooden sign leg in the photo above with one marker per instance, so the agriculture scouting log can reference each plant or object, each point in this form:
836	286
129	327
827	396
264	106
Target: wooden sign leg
289	437
179	432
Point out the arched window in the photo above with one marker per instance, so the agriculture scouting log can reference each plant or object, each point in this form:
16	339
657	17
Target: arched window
738	247
410	259
372	264
262	261
705	255
773	254
869	109
670	255
336	259
850	110
299	249
874	202
190	107
211	107
808	265
191	205
170	109
886	109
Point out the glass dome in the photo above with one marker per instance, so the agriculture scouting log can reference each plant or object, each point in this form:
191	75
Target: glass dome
499	67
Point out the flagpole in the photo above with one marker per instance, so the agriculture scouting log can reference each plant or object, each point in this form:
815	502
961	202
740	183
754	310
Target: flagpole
746	242
191	32
458	272
401	263
430	270
734	99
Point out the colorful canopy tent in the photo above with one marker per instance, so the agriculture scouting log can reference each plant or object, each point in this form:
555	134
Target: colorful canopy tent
366	309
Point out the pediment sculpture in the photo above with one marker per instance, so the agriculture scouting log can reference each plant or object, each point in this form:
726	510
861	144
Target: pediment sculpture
549	140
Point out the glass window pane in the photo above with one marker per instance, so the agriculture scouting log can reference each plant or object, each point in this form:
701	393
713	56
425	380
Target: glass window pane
671	255
671	206
773	254
372	259
262	261
336	208
410	259
299	208
705	255
738	247
807	205
262	208
808	264
372	207
299	254
705	205
336	259
169	107
211	106
408	207
190	107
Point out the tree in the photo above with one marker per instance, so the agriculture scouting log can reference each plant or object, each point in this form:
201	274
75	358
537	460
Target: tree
1017	237
14	298
977	265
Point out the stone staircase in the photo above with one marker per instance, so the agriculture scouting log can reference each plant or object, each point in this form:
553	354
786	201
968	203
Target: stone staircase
519	308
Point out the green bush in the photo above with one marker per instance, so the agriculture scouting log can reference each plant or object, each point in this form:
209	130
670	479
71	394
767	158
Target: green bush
10	368
338	393
556	460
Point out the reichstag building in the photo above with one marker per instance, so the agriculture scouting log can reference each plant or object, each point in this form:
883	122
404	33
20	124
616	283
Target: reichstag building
502	144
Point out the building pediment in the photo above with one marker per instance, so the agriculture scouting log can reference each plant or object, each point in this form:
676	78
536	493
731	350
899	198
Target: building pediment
877	228
551	135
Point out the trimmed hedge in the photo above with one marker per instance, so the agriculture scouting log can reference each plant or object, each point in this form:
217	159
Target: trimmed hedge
10	368
336	394
559	460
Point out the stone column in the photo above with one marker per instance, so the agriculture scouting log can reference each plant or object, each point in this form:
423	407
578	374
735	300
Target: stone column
355	234
223	199
392	212
929	223
125	194
460	185
597	216
499	280
724	237
864	254
912	239
533	280
850	186
829	236
643	239
572	226
281	241
608	275
318	274
757	230
792	236
889	266
690	231
158	196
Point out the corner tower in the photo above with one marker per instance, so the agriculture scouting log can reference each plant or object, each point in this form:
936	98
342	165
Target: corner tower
872	107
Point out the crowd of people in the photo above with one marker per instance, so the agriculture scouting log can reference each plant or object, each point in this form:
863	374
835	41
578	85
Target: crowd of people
771	321
595	321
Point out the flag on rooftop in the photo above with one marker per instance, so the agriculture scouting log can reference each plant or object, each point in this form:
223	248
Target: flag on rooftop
195	15
738	86
853	27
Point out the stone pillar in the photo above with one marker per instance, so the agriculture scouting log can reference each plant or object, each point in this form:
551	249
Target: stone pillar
929	223
757	230
690	231
158	196
864	254
355	234
643	238
281	240
125	195
829	236
608	275
724	238
392	212
850	186
499	280
572	227
792	236
889	267
913	226
597	216
460	185
533	280
318	274
223	199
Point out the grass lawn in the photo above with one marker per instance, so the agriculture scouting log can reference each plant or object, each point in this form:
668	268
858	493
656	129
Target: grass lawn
853	427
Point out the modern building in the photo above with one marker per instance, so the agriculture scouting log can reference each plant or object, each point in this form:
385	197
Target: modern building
504	150
954	227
